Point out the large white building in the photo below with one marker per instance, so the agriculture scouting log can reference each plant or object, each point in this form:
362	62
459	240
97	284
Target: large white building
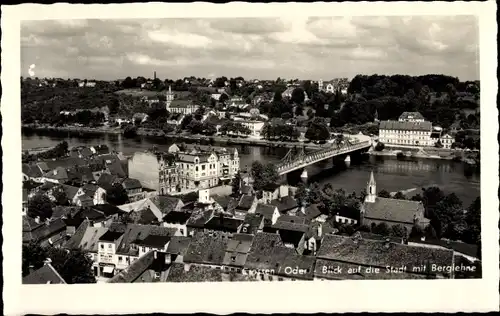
205	166
410	130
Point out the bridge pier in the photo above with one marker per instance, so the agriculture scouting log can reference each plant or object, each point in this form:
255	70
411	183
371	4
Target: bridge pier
296	176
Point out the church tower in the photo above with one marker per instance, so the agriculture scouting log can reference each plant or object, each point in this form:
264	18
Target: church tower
169	97
371	190
375	116
320	85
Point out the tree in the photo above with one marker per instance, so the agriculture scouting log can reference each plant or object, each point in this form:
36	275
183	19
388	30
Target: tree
130	131
116	195
473	220
298	96
317	131
416	232
384	194
60	195
380	146
74	266
399	196
186	120
430	232
263	175
381	229
236	184
40	206
301	193
398	231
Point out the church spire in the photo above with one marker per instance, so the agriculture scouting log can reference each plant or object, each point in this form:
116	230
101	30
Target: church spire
371	190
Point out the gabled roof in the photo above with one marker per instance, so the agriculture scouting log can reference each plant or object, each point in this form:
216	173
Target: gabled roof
246	202
131	184
407	126
411	115
58	173
89	240
310	212
199	218
178	245
381	254
268	252
166	203
32	171
154	241
176	217
393	210
285	204
134	232
265	210
135	270
45	275
206	248
252	223
106	181
197	273
221	223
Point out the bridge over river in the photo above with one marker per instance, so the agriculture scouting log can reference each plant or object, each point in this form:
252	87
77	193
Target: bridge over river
297	158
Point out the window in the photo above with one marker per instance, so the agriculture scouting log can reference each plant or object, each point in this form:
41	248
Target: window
119	259
202	167
109	246
102	246
181	231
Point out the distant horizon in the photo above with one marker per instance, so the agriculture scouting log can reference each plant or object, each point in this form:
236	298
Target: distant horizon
250	79
288	47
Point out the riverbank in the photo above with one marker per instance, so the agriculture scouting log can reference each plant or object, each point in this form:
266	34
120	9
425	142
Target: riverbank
223	140
420	153
73	129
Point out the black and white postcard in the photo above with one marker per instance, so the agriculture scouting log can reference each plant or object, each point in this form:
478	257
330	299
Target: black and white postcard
258	158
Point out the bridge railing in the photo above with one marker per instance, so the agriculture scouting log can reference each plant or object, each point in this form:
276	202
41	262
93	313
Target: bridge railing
320	155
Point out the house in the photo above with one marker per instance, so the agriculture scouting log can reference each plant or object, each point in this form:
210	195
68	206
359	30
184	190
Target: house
286	205
175	119
151	267
198	219
207	249
45	233
269	212
31	172
185	107
97	193
44	275
224	226
237	252
177	220
447	140
411	117
167	203
346	215
377	210
269	260
370	259
246	204
252	224
273	192
121	245
292	233
199	273
409	132
311	213
140	205
133	188
86	238
57	175
177	248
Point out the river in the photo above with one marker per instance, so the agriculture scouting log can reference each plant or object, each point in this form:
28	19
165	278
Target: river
390	173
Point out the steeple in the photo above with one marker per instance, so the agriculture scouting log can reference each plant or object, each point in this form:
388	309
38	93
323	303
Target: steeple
371	190
169	97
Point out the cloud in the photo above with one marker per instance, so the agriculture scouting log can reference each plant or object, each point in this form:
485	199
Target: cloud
305	47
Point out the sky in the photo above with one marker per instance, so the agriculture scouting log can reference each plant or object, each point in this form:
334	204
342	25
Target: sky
264	48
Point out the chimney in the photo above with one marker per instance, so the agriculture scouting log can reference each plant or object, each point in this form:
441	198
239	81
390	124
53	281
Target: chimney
47	261
31	268
320	230
47	221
